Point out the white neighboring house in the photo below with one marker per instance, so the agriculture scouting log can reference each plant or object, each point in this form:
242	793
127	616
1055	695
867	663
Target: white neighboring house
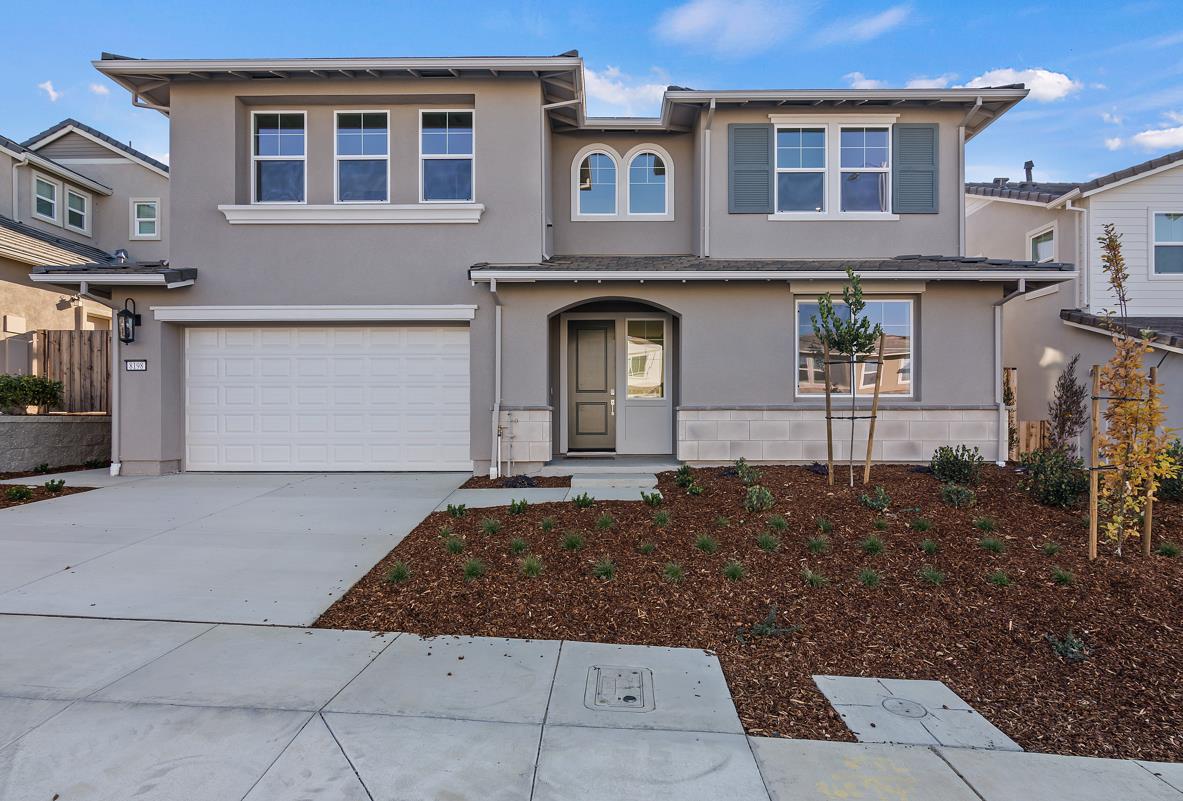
1062	222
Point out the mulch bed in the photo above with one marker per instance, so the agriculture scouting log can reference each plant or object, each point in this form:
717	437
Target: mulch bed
65	469
516	482
988	643
39	494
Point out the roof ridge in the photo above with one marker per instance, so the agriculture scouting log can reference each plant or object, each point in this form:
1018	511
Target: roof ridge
70	122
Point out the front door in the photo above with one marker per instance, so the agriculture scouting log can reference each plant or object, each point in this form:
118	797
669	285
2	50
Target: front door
591	394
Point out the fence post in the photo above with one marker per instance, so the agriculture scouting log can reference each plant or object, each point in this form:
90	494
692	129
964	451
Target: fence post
1095	430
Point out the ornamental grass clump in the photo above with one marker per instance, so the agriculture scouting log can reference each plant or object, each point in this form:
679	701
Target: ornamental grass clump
398	573
768	542
733	571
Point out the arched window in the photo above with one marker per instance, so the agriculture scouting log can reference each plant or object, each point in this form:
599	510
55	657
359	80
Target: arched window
647	184
597	184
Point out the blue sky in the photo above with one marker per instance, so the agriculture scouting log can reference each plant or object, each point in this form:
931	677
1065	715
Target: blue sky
1106	77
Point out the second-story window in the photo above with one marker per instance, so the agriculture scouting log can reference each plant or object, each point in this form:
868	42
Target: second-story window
145	218
801	169
277	156
1168	244
646	184
363	157
446	156
597	184
45	199
78	211
864	169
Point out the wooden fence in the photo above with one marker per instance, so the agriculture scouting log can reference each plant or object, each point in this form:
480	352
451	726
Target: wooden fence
81	360
1026	435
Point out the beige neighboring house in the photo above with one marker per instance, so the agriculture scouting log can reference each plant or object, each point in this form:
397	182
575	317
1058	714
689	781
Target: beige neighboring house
1061	222
446	264
70	195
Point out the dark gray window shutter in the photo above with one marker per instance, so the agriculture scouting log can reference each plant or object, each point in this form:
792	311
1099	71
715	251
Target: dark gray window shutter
749	168
914	172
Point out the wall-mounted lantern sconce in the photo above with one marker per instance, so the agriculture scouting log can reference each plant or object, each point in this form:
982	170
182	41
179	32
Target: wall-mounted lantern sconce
128	321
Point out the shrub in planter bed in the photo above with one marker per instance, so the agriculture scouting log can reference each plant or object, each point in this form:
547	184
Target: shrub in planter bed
960	465
958	495
869	578
1053	478
18	492
877	501
672	572
531	566
19	391
1171	489
758	499
55	485
398	573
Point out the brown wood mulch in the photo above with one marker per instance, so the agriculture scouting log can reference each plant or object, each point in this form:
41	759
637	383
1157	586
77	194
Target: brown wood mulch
40	493
65	469
516	482
988	643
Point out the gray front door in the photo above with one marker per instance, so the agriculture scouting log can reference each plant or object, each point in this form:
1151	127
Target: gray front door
591	391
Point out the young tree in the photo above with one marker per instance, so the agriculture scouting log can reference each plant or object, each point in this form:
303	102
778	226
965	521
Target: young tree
1068	410
1133	441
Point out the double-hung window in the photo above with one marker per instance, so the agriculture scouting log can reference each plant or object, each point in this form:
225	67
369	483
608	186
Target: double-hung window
865	165
446	156
45	199
363	157
893	315
278	173
145	218
1043	245
1168	243
78	211
801	170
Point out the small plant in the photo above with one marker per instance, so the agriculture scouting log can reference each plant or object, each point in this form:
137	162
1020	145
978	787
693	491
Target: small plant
768	542
733	571
672	573
706	544
1171	487
605	522
695	489
1062	577
880	524
547	524
453	545
879	500
1167	549
1050	548
778	523
398	573
958	495
931	575
583	501
42	468
683	477
490	525
1071	648
517	545
999	578
722	521
653	499
747	474
992	544
55	485
818	544
646	548
868	577
531	566
18	492
1053	477
473	569
768	627
920	524
984	524
872	546
1068	410
960	465
572	542
813	578
457	510
824	526
661	518
445	532
604	569
929	546
758	499
95	464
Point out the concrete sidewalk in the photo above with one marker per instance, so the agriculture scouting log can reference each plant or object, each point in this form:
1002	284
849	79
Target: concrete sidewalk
116	709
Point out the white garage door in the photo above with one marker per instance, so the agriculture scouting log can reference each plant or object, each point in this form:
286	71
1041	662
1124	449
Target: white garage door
327	398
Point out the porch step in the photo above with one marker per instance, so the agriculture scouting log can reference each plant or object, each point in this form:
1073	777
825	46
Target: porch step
613	465
596	481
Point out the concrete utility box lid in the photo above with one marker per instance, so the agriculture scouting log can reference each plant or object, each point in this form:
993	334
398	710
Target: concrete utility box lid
620	689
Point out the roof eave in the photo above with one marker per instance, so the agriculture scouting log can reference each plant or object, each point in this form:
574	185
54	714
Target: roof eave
544	274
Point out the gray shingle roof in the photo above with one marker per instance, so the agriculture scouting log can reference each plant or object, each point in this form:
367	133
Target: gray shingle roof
29	245
1168	330
1046	192
170	273
128	149
1129	172
909	263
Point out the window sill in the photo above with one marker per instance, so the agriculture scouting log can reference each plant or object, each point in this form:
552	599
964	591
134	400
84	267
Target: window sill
850	216
353	213
622	218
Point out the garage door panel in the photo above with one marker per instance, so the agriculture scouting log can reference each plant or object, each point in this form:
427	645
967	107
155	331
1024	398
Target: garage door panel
325	398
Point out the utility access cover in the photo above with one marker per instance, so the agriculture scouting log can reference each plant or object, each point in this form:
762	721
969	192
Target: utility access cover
611	688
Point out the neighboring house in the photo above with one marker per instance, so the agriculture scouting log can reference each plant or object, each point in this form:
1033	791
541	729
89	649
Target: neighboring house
445	264
1061	222
70	195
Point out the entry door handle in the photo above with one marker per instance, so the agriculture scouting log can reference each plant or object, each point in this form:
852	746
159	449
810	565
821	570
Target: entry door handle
612	407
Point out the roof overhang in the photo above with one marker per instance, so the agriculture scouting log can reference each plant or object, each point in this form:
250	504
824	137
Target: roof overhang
150	274
68	129
510	276
57	170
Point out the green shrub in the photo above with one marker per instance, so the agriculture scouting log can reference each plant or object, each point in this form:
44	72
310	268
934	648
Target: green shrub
1053	478
19	391
931	575
872	546
646	548
768	542
984	524
1071	648
683	477
474	569
398	573
583	501
824	526
490	525
747	474
547	524
1167	549
929	546
572	542
605	522
880	523
531	566
1171	489
1050	548
518	507
733	571
813	578
879	500
661	518
721	521
778	523
454	545
706	544
868	577
999	579
960	465
517	545
672	572
818	544
604	569
42	468
1062	577
920	524
758	499
652	498
958	495
457	510
55	485
992	544
695	489
18	492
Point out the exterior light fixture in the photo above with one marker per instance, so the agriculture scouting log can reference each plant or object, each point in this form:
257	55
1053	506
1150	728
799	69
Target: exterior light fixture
128	320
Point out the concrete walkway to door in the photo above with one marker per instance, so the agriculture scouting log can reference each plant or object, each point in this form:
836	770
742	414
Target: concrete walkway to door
229	548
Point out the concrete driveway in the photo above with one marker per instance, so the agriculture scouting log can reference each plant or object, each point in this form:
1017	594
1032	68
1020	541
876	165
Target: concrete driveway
241	548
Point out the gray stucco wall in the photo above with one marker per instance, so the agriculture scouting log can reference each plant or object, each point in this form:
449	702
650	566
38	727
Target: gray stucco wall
999	229
112	224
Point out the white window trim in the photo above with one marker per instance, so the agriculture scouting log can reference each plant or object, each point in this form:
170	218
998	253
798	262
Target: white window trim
832	195
821	395
627	161
824	170
1152	242
584	152
429	156
352	213
257	158
133	226
88	208
56	219
665	350
1054	227
302	314
338	158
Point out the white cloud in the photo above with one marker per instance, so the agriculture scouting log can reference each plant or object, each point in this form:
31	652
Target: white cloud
858	29
937	82
1158	138
859	81
99	89
1113	143
1174	116
1111	117
731	29
47	87
614	93
1045	85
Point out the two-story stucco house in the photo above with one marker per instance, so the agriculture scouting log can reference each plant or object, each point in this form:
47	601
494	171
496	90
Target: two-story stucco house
1061	223
70	195
445	264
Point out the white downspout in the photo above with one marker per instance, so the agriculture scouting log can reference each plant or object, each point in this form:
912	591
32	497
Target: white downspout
1003	423
84	292
495	425
706	182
